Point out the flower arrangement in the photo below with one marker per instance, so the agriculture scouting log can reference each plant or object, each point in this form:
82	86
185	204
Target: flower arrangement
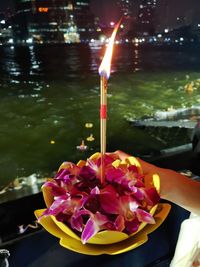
102	200
77	199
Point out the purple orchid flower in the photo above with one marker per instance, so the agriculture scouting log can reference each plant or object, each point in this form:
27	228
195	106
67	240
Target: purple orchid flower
85	205
94	224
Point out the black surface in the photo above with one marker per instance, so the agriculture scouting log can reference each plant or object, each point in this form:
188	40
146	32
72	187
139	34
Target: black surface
42	249
18	212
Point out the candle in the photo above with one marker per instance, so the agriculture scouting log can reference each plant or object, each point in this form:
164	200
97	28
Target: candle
104	72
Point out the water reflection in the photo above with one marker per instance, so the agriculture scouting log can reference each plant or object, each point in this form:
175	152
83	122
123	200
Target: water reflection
136	60
66	61
35	64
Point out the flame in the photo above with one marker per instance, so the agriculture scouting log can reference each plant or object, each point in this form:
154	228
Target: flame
104	69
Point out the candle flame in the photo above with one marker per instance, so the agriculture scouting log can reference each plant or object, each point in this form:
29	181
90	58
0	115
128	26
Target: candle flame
104	69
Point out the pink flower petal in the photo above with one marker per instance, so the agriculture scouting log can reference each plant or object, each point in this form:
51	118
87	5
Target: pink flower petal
133	168
57	206
109	189
109	203
132	226
56	190
92	203
153	195
93	225
107	160
100	218
133	205
144	216
93	166
77	223
91	228
95	191
114	175
82	212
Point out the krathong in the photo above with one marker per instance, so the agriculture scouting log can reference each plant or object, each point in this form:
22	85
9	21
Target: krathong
105	200
78	199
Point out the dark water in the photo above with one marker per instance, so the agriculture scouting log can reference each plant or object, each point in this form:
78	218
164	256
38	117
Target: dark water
48	93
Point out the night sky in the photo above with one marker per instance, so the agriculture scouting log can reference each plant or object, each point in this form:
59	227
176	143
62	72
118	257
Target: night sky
168	10
5	4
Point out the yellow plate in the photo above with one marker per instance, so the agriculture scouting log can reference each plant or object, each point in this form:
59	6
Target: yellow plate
112	249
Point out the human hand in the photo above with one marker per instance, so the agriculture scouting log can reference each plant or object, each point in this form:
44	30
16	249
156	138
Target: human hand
119	154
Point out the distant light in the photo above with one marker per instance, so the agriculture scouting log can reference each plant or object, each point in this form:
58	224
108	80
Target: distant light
70	6
92	40
198	25
121	26
112	24
90	138
181	39
43	9
10	41
82	146
167	39
116	42
52	142
102	38
3	21
29	41
177	18
166	30
88	125
107	41
127	40
159	35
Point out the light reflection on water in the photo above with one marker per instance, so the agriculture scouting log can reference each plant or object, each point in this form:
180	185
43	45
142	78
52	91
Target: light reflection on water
49	93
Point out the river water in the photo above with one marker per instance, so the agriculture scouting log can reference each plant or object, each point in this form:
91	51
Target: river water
49	93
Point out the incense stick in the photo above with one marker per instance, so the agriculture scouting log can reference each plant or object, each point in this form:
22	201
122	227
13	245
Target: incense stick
103	119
